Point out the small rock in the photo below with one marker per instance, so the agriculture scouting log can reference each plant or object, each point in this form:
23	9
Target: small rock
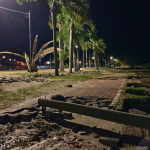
35	137
67	115
103	104
110	148
28	80
58	97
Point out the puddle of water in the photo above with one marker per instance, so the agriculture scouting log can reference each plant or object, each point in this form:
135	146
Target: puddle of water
17	144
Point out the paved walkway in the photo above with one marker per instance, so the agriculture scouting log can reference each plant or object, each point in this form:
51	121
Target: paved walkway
100	91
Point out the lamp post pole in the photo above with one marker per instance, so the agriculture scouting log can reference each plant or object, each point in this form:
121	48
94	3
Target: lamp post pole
30	39
30	33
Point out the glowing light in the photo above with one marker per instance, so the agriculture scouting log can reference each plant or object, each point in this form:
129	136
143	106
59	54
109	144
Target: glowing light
47	62
111	57
79	62
92	57
10	59
3	56
76	46
14	59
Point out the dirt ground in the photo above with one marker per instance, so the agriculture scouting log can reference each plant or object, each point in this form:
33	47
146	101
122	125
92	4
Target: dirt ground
78	119
10	72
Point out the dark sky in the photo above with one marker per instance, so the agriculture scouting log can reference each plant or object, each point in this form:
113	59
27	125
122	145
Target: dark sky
123	24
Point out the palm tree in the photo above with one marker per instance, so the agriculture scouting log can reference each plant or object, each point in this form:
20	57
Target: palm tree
77	11
59	25
41	53
88	45
83	48
98	47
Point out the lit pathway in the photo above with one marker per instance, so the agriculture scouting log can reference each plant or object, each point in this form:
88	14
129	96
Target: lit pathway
97	90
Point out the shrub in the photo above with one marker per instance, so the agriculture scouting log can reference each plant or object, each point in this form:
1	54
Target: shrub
147	66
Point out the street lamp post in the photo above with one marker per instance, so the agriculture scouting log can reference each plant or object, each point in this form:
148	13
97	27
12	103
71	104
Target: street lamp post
30	33
29	24
111	58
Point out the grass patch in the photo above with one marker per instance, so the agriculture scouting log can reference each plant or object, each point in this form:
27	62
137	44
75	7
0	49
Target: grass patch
110	70
83	77
136	97
130	75
113	70
20	94
135	88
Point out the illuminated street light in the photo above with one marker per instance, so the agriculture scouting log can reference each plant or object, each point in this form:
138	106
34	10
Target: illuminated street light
111	57
29	17
3	56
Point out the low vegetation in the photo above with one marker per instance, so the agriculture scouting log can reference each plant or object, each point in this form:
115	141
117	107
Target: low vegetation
110	70
76	77
7	98
130	75
136	88
136	97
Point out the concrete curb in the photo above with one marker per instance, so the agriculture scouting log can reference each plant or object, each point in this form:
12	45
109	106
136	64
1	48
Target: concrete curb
116	99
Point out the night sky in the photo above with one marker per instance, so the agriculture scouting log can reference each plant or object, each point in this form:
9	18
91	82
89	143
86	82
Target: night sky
123	24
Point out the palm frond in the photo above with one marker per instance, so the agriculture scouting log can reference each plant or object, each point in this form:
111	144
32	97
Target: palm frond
50	23
5	52
34	46
27	61
41	50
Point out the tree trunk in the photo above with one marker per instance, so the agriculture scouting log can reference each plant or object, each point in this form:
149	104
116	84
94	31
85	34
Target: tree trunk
83	60
86	60
70	47
77	64
53	14
89	59
96	61
60	60
59	51
74	58
108	64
